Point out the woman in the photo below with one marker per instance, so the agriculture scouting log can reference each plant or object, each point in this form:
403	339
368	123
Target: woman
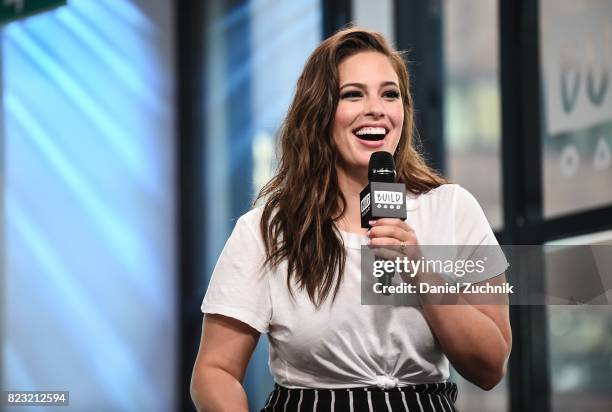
291	267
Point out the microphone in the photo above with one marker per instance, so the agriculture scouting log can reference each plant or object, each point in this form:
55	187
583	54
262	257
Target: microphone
382	197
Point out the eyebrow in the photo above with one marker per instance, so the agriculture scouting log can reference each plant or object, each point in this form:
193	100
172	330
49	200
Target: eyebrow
363	86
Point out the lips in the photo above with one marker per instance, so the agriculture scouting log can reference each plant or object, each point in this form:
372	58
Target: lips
371	133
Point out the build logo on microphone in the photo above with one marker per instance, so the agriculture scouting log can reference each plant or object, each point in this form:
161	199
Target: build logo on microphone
386	199
365	203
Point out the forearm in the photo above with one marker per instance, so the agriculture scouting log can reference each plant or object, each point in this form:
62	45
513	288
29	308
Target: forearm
471	340
215	390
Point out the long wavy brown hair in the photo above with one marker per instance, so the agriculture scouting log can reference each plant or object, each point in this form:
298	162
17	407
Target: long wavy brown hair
303	200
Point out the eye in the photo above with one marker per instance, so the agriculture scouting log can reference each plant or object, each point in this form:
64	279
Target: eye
391	94
353	94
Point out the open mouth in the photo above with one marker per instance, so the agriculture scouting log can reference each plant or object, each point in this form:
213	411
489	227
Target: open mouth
371	133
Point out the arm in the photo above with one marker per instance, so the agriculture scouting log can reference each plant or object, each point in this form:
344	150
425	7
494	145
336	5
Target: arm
225	349
476	338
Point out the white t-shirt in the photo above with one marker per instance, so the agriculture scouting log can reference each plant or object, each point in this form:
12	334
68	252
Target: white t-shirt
344	344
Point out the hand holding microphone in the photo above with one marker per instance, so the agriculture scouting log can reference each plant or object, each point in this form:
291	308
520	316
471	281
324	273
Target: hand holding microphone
383	210
383	205
383	197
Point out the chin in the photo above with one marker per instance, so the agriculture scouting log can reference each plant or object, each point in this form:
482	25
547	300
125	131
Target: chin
363	161
359	160
366	154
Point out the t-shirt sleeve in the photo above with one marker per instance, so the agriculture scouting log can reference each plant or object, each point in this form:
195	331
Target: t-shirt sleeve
238	287
474	237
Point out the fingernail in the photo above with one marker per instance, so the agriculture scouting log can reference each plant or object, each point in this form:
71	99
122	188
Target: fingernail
372	222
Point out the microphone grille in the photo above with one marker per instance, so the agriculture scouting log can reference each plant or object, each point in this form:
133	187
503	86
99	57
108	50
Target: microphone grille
381	160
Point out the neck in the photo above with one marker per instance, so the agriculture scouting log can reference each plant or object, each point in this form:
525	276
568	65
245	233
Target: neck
351	184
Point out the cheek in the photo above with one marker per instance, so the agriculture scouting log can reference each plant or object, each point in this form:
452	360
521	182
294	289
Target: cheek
343	120
397	115
397	118
345	114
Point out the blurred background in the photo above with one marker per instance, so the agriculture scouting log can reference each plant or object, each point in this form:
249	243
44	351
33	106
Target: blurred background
135	132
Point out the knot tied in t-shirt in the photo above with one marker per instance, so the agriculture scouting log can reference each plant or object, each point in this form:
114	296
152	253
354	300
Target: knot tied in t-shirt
386	382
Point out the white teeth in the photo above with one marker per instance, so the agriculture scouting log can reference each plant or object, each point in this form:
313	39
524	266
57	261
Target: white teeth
371	130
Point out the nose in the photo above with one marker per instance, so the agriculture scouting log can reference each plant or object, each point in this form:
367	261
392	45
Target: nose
374	107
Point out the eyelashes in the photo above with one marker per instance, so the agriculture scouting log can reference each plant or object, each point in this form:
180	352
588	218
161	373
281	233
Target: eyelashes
392	94
354	94
350	95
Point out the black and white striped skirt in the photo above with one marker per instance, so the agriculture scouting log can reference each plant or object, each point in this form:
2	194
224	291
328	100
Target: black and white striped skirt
411	398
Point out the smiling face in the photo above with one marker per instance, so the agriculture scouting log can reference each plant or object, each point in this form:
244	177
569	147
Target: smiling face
370	113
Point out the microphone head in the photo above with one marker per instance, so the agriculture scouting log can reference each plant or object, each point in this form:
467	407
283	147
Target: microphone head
381	167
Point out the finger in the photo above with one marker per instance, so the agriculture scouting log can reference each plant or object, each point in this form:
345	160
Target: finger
393	251
391	221
386	253
384	241
393	232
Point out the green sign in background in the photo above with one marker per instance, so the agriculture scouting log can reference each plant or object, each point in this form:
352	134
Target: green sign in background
18	9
